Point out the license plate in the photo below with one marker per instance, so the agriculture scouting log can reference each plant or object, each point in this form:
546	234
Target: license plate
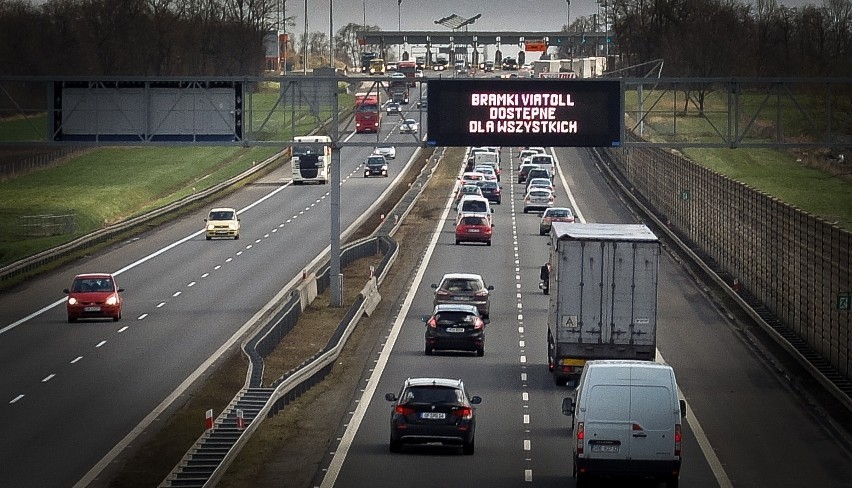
473	231
609	448
461	299
92	309
433	415
455	329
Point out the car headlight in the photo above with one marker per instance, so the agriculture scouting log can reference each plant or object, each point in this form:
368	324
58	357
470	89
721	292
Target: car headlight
232	226
72	301
112	300
209	226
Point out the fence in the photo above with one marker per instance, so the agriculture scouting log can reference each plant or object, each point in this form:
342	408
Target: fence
795	264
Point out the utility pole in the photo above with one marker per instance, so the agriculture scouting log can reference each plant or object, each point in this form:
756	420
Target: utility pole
305	41
568	19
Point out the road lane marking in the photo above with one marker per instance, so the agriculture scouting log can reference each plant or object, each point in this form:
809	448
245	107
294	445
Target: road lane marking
75	360
101	343
48	378
15	400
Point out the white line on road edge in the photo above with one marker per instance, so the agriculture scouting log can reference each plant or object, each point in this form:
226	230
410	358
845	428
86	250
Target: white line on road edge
691	419
703	441
367	396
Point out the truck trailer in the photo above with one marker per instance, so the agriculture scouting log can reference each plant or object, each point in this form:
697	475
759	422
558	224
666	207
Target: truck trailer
603	295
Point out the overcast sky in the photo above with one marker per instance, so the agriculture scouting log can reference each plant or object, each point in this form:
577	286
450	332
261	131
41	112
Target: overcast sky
497	15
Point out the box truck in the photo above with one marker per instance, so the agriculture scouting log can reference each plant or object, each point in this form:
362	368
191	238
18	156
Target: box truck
603	295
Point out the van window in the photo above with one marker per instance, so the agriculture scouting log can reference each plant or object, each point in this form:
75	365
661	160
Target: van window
478	206
646	405
610	403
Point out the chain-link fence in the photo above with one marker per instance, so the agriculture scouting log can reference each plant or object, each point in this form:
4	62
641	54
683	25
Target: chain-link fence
792	263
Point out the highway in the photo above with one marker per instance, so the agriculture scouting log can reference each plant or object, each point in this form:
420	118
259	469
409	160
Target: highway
70	393
745	427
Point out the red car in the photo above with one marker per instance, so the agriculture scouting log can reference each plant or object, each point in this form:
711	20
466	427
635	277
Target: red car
473	228
94	295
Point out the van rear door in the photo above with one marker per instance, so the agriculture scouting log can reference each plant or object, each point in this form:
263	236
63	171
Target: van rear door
607	426
653	415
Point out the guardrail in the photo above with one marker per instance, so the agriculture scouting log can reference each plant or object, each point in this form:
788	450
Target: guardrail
208	460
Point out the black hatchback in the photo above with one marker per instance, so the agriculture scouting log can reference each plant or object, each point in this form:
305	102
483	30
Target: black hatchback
491	190
455	327
431	410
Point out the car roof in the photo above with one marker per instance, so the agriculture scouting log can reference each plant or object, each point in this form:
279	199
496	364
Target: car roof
557	209
461	276
222	209
456	307
541	179
93	275
474	197
446	382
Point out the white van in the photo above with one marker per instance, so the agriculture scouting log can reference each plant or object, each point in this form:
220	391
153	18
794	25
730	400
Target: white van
474	204
626	421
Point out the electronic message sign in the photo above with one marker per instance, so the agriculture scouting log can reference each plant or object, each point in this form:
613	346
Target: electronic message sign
525	112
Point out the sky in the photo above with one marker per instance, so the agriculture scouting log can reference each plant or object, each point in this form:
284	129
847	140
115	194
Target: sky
497	15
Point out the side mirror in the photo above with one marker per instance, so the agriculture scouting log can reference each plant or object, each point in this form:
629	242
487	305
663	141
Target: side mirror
205	220
390	397
475	400
434	285
567	406
682	408
121	290
66	291
424	318
490	287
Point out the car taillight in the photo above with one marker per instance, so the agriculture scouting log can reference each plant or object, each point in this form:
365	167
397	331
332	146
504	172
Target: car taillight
581	436
481	293
479	324
678	437
403	410
432	324
465	413
442	293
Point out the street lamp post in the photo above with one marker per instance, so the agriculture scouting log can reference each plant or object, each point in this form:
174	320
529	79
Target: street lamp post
568	18
399	26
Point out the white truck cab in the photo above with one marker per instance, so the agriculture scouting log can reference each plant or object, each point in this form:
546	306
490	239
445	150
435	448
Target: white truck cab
626	421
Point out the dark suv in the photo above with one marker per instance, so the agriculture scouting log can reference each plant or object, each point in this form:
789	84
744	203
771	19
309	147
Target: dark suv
433	410
455	328
376	165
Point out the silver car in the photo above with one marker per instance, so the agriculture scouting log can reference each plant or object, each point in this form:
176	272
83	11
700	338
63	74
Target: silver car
538	199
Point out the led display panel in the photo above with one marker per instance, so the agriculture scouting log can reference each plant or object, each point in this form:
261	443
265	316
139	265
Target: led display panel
525	112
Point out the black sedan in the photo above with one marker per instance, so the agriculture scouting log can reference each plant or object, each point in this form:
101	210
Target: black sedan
455	327
376	165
